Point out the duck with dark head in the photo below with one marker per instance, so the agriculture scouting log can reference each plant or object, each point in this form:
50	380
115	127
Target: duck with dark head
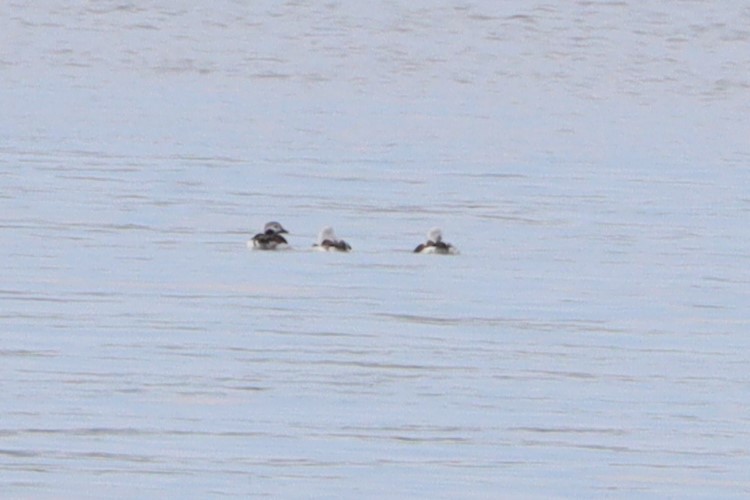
270	238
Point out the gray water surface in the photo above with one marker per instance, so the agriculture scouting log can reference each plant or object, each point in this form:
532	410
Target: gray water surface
589	160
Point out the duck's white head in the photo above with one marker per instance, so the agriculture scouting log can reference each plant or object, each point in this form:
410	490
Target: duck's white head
435	235
326	234
275	227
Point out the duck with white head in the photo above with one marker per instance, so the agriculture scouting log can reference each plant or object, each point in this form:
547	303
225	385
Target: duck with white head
328	242
435	244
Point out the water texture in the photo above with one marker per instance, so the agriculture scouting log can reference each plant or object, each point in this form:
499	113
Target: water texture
590	161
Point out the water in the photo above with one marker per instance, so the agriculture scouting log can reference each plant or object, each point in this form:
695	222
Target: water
589	160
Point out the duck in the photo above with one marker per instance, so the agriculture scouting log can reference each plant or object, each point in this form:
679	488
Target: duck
435	244
270	238
328	242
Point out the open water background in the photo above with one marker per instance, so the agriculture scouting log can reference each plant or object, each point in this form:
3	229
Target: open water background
590	160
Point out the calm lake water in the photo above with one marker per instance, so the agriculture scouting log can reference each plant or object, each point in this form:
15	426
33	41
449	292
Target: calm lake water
590	161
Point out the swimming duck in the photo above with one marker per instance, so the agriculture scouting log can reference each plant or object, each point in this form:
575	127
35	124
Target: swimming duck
435	244
270	238
328	242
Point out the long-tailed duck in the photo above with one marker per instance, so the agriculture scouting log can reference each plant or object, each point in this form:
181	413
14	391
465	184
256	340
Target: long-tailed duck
328	242
435	244
270	238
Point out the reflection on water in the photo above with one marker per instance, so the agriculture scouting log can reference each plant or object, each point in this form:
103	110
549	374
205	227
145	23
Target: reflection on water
588	161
